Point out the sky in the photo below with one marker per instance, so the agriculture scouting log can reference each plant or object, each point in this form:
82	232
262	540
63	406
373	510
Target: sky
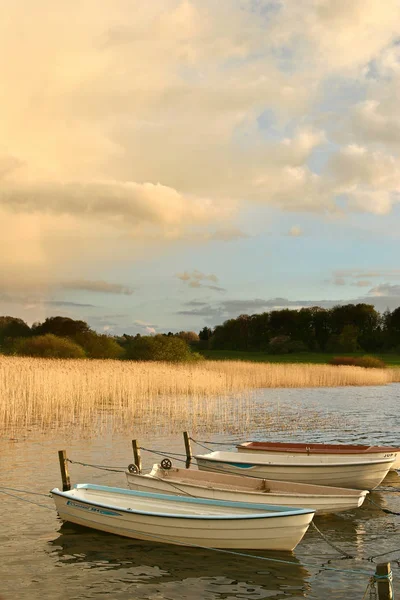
168	165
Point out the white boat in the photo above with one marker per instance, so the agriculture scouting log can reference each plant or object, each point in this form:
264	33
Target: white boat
205	484
360	474
183	521
330	452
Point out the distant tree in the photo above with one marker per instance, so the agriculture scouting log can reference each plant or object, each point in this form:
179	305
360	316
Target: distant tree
392	328
160	348
346	341
12	327
61	327
279	345
98	345
48	346
188	336
259	331
205	334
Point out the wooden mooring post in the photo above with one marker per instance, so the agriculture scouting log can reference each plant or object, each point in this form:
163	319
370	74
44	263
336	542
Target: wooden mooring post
136	455
66	481
383	583
188	448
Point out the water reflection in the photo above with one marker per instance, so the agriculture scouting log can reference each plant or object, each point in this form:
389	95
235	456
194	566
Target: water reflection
210	574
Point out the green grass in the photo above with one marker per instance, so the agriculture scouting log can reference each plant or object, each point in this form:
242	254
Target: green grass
392	360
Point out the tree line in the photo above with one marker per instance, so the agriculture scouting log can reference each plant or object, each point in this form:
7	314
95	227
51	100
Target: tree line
345	328
62	337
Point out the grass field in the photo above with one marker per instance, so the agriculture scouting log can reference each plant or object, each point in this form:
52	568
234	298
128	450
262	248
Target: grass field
392	360
49	393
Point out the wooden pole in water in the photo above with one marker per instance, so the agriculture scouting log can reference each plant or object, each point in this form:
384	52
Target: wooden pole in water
188	448
62	457
384	584
136	455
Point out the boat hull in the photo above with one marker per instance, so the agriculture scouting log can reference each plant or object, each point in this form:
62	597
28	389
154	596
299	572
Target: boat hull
322	499
229	527
330	452
361	475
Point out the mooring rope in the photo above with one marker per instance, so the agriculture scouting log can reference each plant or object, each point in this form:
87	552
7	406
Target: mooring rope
215	443
343	552
26	500
161	452
3	487
165	454
101	467
371	558
385	510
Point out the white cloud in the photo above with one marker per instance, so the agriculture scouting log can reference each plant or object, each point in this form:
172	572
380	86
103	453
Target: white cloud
370	179
373	122
123	127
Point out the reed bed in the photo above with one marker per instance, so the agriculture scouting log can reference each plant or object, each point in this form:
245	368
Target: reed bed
81	394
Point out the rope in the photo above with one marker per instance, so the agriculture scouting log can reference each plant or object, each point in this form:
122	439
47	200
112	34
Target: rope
371	558
165	454
173	485
24	491
202	445
257	557
216	443
26	500
385	510
371	588
161	453
345	554
101	467
388	577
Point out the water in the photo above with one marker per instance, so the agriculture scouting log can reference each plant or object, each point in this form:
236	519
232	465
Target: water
41	558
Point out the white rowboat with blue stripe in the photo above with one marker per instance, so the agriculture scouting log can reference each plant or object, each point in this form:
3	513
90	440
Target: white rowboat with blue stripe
181	520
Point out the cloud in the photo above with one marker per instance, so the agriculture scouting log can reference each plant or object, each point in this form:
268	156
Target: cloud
361	277
388	297
149	328
195	279
120	203
125	132
373	122
102	287
35	302
295	231
66	303
386	290
369	179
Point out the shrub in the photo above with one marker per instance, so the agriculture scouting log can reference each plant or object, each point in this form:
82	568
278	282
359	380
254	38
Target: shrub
368	362
188	336
343	360
98	346
160	347
279	345
371	362
48	346
296	346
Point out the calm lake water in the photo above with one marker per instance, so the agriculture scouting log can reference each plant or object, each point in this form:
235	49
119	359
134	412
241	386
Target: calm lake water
41	558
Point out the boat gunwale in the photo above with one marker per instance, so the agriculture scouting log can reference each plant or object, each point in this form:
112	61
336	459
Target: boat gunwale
192	483
278	511
314	447
247	464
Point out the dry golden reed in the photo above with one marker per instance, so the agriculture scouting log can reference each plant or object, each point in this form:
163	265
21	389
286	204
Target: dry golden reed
44	393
